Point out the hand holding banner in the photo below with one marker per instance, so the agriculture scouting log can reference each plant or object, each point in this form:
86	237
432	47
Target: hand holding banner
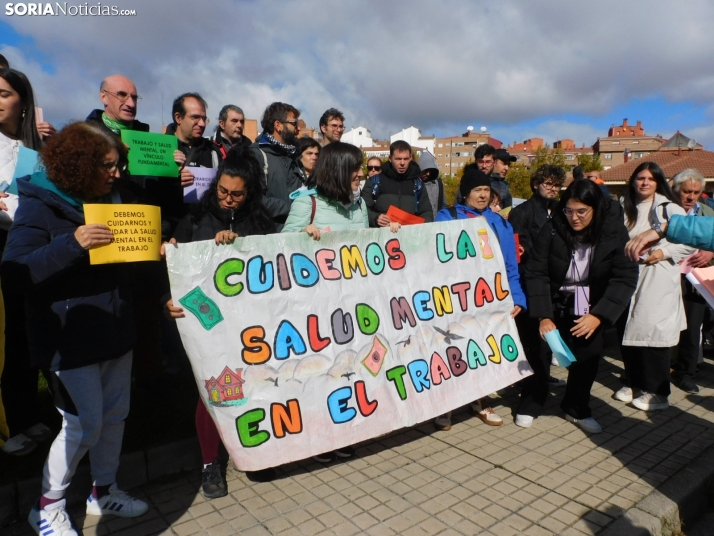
136	230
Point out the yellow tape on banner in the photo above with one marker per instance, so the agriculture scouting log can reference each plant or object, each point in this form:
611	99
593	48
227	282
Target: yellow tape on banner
136	229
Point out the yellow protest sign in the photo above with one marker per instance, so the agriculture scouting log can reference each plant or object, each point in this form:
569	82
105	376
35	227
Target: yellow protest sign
136	230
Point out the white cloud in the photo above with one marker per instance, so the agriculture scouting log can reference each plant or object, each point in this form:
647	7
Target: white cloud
385	64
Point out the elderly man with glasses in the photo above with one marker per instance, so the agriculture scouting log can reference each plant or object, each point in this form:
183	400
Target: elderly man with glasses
276	152
120	100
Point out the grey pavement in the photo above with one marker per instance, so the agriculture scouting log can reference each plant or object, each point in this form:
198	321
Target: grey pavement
475	479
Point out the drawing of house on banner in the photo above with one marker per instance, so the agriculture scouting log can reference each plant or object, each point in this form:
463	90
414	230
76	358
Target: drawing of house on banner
226	388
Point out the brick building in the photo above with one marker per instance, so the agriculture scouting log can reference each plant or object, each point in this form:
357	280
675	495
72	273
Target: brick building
626	142
454	152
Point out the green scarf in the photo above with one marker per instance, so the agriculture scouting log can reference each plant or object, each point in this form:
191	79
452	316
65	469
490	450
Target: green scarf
41	179
112	124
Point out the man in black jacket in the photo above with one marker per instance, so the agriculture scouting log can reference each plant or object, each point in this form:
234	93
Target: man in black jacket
398	185
229	132
527	220
118	94
501	163
275	150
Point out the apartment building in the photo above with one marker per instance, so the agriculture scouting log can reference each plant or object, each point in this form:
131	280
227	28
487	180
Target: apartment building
626	142
454	152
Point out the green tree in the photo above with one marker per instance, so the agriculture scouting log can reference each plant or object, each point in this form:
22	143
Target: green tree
519	180
545	155
589	162
451	186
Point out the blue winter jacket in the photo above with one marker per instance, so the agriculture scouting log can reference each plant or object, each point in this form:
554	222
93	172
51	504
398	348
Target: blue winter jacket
77	314
695	232
504	232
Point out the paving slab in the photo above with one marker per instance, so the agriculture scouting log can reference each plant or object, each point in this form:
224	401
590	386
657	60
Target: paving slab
553	478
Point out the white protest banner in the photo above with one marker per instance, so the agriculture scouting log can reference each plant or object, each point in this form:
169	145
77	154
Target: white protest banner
202	179
300	347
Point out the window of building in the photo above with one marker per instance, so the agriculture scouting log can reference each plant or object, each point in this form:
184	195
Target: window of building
229	392
441	145
607	156
568	156
359	132
228	379
639	155
635	143
616	143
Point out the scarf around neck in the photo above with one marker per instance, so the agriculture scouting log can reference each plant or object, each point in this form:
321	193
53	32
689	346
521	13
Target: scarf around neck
112	124
290	149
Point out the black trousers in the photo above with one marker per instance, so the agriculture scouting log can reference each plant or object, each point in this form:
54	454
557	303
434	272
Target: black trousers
19	378
534	389
689	339
581	376
647	368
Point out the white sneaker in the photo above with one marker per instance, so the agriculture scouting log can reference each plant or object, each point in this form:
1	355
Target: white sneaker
116	502
624	395
554	361
443	422
51	522
484	412
38	433
650	401
524	421
19	445
588	425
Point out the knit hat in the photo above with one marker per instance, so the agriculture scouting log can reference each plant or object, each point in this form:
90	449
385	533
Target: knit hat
473	177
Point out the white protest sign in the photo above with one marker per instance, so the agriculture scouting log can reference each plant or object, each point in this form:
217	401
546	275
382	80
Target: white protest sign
300	347
202	179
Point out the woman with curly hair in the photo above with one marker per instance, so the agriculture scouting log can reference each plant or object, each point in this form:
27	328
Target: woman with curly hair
79	318
230	208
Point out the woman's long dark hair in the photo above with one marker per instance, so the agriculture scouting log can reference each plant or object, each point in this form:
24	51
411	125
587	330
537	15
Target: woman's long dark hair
27	129
241	163
588	193
663	188
333	171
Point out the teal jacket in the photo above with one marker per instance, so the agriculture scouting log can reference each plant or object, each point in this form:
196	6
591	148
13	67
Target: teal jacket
695	232
327	214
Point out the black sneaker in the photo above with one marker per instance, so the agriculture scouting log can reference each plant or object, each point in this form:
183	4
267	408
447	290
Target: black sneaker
326	457
345	452
686	385
264	475
555	382
212	482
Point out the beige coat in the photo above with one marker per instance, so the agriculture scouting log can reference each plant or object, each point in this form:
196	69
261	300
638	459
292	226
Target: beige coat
656	313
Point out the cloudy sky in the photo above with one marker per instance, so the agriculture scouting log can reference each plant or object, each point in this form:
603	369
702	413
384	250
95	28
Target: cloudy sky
553	69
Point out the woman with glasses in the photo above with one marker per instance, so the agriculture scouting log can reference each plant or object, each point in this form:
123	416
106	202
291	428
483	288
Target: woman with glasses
578	280
656	317
80	319
232	207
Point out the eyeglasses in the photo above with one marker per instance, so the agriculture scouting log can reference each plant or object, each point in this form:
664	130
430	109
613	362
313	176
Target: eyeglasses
580	213
550	185
374	168
111	167
335	126
293	123
198	118
223	193
123	96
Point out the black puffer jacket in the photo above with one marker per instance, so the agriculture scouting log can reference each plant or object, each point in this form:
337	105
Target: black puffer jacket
397	190
612	279
527	220
284	177
216	219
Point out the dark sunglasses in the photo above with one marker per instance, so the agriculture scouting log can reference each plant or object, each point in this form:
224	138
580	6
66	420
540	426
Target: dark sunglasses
374	168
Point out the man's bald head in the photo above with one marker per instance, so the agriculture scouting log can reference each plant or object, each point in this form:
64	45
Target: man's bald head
115	89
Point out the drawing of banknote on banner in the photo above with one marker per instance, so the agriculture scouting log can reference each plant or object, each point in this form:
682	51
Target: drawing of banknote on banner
300	347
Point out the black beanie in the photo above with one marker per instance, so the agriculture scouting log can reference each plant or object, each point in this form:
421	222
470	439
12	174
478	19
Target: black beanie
473	177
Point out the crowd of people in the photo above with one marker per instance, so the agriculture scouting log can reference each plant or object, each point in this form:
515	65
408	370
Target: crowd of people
590	266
